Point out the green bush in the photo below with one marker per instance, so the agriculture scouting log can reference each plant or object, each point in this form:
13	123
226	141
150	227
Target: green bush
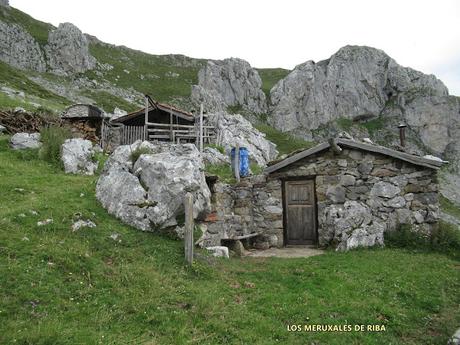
52	138
445	238
138	152
219	148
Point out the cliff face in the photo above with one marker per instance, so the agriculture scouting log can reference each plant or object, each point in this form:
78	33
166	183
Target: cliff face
65	52
362	83
230	83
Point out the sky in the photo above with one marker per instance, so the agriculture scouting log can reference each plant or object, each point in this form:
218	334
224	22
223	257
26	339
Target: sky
424	35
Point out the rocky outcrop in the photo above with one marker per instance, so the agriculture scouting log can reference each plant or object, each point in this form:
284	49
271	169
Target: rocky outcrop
362	83
146	190
67	51
77	156
5	3
19	49
214	157
229	83
21	141
232	129
356	82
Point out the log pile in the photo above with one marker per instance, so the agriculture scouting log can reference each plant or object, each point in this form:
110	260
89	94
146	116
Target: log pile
19	121
83	130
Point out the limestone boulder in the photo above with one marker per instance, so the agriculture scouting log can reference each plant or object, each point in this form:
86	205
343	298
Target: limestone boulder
77	155
233	129
146	190
21	141
214	157
230	82
350	225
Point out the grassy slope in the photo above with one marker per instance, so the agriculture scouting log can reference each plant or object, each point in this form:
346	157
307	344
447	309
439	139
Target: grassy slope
37	29
60	287
270	76
285	143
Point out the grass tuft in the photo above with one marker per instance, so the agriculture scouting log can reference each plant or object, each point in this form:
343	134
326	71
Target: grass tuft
52	138
285	143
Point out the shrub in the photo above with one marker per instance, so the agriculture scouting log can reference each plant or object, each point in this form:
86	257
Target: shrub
445	238
219	148
138	152
52	138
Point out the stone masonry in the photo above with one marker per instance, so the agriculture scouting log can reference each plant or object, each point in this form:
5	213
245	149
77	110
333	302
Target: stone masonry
360	195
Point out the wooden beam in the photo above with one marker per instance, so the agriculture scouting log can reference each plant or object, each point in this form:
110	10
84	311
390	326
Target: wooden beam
146	116
201	127
429	163
189	226
296	157
236	165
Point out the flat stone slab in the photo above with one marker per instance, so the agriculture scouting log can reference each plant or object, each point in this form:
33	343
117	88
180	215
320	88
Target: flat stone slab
286	252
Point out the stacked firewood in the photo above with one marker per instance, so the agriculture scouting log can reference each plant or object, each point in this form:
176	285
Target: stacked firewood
19	121
84	130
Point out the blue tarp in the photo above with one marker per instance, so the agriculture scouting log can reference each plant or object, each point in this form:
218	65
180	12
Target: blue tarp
244	161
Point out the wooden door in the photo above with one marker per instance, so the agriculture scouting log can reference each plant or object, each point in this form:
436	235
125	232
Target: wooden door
300	212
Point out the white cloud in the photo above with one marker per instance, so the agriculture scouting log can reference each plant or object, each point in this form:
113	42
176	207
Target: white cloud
420	34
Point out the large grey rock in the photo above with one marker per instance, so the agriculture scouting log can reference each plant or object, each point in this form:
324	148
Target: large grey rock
77	156
21	141
351	225
214	157
354	82
233	129
5	3
385	189
231	82
19	49
67	51
148	193
455	339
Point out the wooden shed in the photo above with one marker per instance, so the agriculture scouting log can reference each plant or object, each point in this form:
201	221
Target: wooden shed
161	122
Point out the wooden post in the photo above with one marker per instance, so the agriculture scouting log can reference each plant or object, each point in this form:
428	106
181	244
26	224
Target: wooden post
189	225
201	127
171	135
146	132
237	163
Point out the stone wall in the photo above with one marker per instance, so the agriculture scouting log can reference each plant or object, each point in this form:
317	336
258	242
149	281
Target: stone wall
360	195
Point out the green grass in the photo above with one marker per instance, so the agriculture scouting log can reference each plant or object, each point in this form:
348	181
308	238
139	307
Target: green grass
37	29
164	77
374	125
53	137
18	80
344	123
286	143
64	287
270	76
108	102
449	207
224	172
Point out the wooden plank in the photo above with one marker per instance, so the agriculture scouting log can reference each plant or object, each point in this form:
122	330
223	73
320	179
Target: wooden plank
236	166
296	157
242	237
201	127
189	225
392	153
146	115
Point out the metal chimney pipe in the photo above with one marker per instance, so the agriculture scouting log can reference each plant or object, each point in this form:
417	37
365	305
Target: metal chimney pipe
402	134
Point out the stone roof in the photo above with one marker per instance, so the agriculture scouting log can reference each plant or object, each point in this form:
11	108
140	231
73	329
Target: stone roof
340	142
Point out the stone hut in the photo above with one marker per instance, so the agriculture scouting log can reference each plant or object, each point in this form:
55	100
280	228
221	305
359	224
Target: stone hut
343	193
86	119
